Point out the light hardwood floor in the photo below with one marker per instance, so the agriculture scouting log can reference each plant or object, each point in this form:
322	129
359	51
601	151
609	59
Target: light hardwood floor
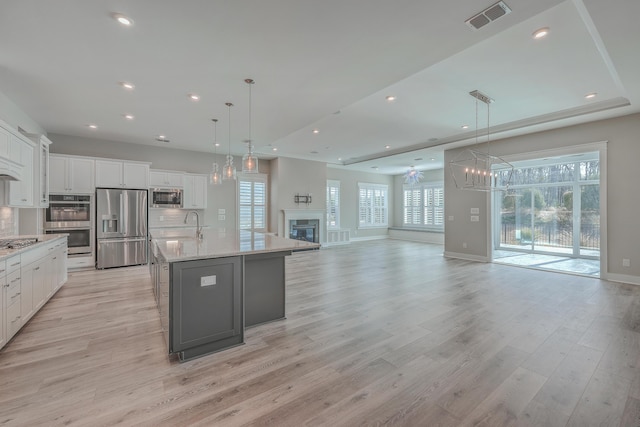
378	333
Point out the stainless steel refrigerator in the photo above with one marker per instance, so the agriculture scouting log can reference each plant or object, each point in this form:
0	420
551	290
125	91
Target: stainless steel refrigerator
121	227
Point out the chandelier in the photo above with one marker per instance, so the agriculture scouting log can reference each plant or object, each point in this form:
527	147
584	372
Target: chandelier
229	170
249	160
412	176
215	177
473	169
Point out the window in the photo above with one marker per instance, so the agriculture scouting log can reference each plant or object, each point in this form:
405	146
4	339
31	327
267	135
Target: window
252	198
333	204
424	205
372	205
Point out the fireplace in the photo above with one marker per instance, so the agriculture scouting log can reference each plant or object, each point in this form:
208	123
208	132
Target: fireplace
303	224
304	229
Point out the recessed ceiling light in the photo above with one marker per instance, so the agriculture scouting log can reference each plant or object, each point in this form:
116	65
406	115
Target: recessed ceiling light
540	33
162	138
274	149
391	98
591	95
465	126
217	144
127	85
339	159
432	159
122	19
128	116
374	167
193	96
387	147
92	126
316	131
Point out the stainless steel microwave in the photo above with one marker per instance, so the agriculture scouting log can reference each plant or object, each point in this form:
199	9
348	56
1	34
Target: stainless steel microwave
166	198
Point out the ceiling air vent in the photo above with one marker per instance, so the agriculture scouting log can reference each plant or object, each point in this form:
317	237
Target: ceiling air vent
488	15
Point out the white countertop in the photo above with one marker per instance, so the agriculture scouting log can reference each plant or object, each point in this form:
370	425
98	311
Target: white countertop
42	239
176	245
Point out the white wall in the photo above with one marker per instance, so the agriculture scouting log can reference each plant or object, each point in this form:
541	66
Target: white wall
18	119
294	176
349	199
623	203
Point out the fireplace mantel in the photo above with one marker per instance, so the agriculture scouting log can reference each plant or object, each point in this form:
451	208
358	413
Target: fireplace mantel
289	214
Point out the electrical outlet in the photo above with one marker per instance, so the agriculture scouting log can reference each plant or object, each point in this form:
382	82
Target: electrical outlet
626	262
221	217
475	210
475	218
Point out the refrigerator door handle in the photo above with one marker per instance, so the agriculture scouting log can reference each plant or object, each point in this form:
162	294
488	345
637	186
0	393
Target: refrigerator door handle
120	226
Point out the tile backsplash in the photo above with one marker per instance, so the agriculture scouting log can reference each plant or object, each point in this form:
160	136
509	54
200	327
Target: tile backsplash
172	217
8	221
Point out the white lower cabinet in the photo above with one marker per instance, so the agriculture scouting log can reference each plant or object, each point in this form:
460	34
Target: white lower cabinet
30	279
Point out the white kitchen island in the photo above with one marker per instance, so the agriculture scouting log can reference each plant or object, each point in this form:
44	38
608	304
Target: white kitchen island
209	290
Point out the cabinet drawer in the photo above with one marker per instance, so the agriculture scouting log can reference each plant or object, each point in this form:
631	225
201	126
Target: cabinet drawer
14	288
3	268
13	318
13	264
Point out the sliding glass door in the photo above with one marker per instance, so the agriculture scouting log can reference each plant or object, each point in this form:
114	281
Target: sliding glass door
552	208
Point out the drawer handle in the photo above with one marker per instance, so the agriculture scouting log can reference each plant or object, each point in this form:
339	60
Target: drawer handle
55	257
16	295
51	249
14	264
15	320
15	280
36	269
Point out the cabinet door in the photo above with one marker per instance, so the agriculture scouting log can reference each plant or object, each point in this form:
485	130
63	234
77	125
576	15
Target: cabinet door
175	179
157	179
4	143
21	192
3	314
108	174
200	191
58	176
39	292
43	176
135	175
26	294
80	173
195	191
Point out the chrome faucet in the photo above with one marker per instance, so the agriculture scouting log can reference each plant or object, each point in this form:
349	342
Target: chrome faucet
198	228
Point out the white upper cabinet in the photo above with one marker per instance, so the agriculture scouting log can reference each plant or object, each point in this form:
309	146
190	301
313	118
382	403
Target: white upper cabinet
117	174
165	179
21	192
71	174
195	191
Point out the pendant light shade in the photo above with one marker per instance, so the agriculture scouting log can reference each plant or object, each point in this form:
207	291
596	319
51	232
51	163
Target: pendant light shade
229	170
215	177
249	160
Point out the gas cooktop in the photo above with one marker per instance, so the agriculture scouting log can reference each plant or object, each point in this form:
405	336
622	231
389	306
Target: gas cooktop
17	243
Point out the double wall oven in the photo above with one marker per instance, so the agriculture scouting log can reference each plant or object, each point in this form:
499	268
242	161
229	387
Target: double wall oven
72	214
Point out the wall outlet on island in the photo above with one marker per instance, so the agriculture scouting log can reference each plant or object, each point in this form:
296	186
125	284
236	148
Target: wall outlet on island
626	262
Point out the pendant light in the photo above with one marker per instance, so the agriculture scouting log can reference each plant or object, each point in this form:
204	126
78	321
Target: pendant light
229	170
473	169
249	160
215	177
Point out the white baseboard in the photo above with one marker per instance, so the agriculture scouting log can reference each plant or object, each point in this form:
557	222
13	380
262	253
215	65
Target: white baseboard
467	257
417	236
362	239
621	278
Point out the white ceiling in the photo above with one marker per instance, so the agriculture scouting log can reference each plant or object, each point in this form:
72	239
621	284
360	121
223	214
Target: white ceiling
325	65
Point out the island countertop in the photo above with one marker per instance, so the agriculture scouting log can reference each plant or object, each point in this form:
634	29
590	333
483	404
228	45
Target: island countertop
181	245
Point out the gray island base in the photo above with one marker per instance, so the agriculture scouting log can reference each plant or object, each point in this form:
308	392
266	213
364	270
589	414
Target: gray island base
209	290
